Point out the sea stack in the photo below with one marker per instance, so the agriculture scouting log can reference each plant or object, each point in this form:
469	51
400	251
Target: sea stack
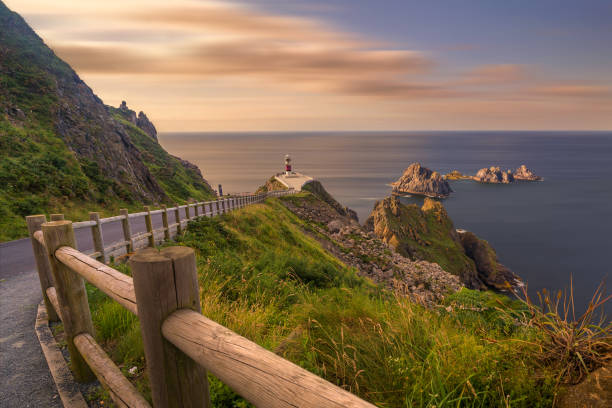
524	174
494	175
422	181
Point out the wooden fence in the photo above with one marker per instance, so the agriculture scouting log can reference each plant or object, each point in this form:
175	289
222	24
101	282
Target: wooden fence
180	344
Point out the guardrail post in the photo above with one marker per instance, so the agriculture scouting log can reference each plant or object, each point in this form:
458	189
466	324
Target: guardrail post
127	231
217	205
165	222
177	218
71	295
96	234
223	208
196	213
187	212
57	217
165	281
149	224
42	262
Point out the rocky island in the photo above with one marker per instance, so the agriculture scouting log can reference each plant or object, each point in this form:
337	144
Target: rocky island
494	174
524	174
422	181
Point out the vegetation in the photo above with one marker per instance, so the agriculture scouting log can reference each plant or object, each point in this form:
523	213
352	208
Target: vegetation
39	173
262	277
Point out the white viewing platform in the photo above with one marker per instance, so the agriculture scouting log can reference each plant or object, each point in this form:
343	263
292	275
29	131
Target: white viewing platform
293	180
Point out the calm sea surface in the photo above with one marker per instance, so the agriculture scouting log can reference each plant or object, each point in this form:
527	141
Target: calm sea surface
544	231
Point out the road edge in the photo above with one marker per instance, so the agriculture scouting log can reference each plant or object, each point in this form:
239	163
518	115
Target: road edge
66	387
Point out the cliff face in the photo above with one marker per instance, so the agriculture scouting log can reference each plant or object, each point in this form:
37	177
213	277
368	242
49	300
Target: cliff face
316	188
420	180
428	233
425	233
59	143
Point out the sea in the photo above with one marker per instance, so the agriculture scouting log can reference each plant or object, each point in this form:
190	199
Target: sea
550	233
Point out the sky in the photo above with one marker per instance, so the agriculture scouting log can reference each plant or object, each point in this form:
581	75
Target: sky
303	65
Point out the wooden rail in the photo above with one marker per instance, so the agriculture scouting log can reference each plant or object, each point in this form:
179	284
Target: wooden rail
180	344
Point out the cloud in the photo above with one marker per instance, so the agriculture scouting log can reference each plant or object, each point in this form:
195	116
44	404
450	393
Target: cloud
494	74
571	90
211	40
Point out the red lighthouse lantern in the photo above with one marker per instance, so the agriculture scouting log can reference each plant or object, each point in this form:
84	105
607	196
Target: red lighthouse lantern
287	164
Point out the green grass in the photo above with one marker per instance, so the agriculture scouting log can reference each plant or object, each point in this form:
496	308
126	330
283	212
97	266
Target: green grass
266	280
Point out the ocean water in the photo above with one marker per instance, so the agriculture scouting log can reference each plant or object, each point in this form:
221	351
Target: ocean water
546	232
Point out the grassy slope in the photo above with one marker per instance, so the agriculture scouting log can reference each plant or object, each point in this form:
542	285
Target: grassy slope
263	278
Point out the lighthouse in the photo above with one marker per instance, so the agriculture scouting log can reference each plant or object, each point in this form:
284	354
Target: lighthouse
287	165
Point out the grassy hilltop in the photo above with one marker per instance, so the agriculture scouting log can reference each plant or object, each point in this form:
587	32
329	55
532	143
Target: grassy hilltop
264	273
63	150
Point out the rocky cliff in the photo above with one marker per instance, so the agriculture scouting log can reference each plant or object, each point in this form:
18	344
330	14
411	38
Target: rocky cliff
420	180
428	233
60	144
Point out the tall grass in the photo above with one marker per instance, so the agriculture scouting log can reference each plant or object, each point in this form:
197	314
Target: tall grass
263	278
575	345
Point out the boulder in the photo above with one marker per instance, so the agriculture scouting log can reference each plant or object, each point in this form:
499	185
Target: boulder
422	181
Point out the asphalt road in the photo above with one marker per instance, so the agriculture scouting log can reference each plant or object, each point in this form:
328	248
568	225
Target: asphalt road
25	380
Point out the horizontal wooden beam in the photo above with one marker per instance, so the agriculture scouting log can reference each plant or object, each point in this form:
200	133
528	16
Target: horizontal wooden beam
260	376
121	390
115	284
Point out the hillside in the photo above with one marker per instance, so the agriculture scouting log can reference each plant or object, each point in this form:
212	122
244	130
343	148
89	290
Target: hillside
62	149
270	274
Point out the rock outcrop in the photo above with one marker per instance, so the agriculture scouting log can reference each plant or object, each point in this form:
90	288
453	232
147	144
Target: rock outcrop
341	235
316	188
272	184
456	175
494	175
425	233
524	174
428	233
490	270
422	181
141	120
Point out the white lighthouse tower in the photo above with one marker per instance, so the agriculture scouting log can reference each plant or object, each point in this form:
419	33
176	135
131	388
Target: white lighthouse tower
288	165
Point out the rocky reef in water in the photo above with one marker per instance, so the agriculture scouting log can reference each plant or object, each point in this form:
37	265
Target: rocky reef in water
420	180
494	174
524	174
428	233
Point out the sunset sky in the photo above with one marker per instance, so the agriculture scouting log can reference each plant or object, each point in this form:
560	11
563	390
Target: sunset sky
340	64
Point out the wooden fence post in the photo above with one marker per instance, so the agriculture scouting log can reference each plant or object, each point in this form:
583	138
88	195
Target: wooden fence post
127	231
223	210
165	281
71	295
96	234
165	222
177	218
149	224
42	262
187	212
196	213
57	217
217	205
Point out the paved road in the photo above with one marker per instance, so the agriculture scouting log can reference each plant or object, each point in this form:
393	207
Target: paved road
25	380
